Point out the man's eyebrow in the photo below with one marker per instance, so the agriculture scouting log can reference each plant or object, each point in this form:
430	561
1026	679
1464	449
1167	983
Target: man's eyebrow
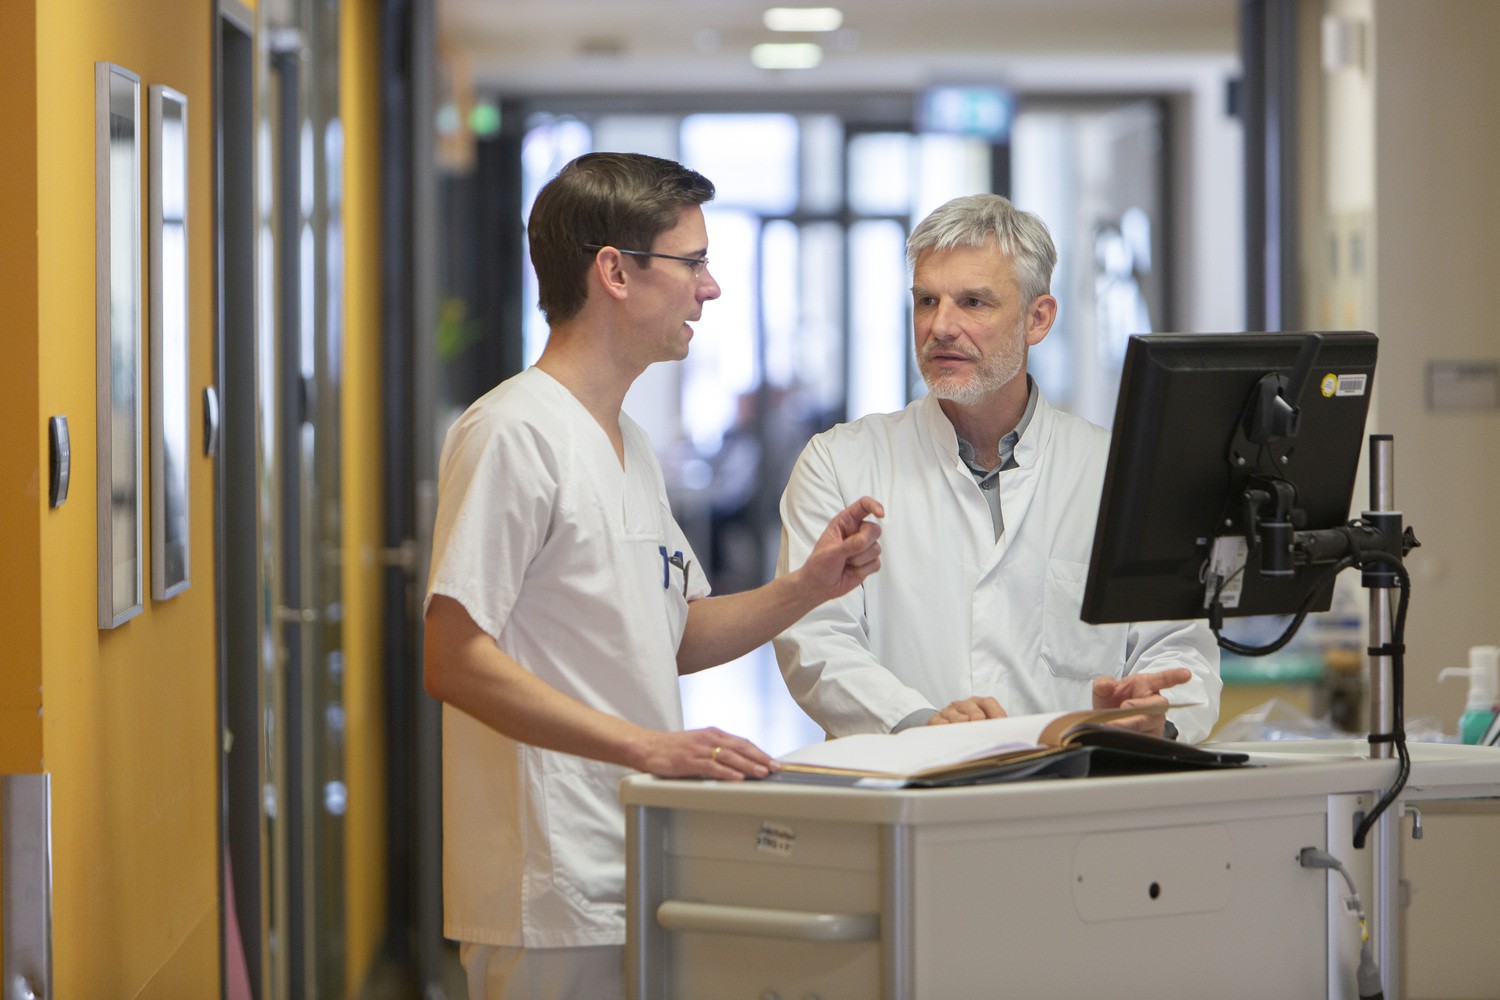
982	292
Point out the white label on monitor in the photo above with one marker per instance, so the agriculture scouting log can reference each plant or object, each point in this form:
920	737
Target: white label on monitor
1226	563
1350	385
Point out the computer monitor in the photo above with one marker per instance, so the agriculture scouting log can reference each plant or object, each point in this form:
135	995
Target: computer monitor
1221	443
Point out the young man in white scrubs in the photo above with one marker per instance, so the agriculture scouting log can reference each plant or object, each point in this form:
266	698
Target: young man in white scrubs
564	600
992	497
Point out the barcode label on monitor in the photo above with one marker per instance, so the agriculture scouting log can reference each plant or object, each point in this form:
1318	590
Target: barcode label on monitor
1351	385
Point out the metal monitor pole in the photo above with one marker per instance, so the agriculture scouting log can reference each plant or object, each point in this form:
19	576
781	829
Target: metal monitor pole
1382	720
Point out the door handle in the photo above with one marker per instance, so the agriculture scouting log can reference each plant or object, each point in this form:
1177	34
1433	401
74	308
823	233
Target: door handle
210	421
297	616
754	921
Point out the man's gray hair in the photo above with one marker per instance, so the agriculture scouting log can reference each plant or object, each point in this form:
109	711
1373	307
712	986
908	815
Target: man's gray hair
978	220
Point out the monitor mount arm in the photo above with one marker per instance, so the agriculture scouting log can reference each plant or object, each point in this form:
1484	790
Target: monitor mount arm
1259	454
1272	523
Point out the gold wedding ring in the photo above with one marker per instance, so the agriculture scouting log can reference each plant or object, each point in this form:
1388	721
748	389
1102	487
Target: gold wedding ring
715	755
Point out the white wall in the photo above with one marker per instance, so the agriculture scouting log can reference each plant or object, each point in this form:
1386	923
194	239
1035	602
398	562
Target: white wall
1436	293
1399	179
1410	163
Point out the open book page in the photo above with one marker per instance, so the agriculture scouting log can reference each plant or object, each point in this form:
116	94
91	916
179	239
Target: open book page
924	748
1055	732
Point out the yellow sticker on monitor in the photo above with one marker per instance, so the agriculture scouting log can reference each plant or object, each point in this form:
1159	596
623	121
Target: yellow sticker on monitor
1330	385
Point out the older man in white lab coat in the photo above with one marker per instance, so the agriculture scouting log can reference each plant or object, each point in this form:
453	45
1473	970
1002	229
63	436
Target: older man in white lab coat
991	497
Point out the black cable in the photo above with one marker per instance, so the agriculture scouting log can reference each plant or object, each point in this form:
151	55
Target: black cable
1396	650
1367	975
1216	613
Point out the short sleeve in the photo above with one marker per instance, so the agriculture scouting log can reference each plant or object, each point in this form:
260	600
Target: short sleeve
498	488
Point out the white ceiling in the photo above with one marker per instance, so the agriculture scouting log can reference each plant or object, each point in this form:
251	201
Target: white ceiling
588	46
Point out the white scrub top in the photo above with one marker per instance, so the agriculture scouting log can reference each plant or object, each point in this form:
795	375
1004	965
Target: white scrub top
953	613
556	552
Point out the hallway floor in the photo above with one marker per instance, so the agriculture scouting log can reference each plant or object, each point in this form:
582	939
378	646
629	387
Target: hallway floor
390	982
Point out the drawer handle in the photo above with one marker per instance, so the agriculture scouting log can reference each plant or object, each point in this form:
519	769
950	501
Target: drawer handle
784	925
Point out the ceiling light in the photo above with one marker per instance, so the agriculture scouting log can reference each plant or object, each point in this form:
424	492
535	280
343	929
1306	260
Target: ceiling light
776	55
803	18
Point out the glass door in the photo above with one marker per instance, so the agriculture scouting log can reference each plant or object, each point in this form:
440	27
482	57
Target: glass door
299	356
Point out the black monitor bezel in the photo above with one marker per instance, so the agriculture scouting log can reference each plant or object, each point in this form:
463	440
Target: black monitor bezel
1169	485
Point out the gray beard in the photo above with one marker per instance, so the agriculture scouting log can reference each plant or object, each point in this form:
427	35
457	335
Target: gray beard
982	383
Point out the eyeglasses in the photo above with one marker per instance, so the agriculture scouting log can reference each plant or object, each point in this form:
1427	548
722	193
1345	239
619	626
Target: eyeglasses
695	264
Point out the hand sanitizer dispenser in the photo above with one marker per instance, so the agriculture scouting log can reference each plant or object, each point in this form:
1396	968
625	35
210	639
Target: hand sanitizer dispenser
1480	710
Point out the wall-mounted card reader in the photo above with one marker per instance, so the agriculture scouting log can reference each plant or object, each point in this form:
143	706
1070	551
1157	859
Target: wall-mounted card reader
61	460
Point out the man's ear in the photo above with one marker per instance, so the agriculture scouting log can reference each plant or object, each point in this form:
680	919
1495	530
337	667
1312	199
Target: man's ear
1040	316
608	271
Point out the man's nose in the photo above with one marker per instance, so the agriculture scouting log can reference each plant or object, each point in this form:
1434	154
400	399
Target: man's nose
945	325
708	288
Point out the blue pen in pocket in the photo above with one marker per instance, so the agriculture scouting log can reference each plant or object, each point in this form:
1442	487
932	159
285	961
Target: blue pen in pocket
667	562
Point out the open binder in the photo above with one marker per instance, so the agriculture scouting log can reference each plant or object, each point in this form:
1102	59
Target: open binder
1048	745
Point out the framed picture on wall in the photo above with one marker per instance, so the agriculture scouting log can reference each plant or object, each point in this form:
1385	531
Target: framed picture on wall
117	296
168	300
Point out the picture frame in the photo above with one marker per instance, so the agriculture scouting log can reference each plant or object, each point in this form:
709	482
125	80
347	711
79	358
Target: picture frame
118	312
167	189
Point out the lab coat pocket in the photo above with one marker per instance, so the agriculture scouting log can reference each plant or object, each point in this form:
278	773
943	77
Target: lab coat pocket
586	827
1070	646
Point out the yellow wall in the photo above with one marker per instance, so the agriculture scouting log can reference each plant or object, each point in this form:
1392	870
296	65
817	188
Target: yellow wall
23	438
364	693
21	471
126	720
130	720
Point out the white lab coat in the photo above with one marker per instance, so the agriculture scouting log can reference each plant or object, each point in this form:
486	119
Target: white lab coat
555	551
953	613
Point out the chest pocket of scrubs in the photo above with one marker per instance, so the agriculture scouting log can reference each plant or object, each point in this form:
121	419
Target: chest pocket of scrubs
676	568
658	600
1070	646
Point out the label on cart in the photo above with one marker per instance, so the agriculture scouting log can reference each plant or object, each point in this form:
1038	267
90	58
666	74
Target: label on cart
776	839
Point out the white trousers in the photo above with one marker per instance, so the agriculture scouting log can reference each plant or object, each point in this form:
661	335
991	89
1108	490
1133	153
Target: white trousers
493	973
